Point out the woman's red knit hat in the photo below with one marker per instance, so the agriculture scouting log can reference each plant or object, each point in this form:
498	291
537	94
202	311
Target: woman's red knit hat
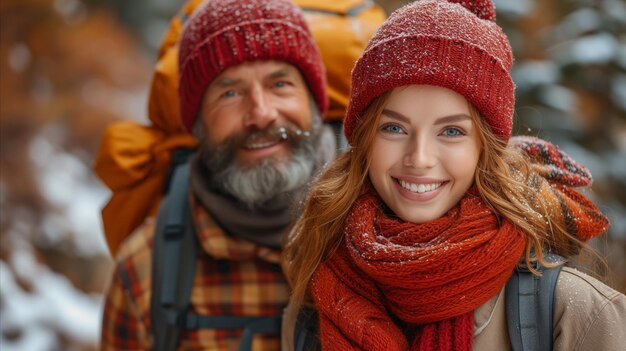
451	44
225	33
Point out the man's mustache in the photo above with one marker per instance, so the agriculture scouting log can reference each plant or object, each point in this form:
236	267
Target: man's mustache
288	132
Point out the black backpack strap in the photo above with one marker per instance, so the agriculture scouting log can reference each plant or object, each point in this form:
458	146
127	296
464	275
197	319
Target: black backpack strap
249	325
530	307
306	333
174	257
173	261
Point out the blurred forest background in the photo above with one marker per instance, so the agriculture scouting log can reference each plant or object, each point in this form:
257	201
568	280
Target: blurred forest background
70	67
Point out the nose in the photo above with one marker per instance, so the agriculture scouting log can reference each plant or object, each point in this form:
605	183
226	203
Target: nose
261	111
420	153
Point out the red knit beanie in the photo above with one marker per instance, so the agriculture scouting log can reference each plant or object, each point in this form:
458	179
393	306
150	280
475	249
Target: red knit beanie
451	44
225	33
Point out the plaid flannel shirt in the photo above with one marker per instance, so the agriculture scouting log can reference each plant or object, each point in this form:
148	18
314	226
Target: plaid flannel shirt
233	277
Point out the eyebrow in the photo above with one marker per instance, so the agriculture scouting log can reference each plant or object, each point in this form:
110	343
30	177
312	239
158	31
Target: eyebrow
396	115
443	120
225	82
283	72
453	118
228	82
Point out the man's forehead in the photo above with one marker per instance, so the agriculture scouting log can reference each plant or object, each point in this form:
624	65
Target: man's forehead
258	69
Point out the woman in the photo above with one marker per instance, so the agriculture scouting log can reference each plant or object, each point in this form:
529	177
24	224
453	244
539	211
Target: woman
407	241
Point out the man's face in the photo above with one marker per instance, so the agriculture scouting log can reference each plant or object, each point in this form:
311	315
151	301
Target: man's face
247	101
259	131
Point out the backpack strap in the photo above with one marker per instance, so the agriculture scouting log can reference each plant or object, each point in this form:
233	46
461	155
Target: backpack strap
174	257
530	306
306	333
173	261
249	325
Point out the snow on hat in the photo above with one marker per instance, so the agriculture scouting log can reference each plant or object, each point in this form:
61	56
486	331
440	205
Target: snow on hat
453	44
225	33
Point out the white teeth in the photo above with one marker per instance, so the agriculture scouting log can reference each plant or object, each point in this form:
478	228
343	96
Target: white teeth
419	188
260	145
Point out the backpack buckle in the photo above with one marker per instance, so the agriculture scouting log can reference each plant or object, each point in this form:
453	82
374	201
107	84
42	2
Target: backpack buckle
173	231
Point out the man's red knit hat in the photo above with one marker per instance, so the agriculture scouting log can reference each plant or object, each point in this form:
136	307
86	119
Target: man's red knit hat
225	33
453	44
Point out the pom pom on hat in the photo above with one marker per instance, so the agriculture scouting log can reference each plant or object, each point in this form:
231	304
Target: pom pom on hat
451	44
482	8
225	33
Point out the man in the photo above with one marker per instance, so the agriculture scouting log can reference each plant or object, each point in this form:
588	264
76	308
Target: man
252	91
133	161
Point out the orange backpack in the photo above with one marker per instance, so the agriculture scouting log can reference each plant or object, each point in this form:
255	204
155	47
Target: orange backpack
133	159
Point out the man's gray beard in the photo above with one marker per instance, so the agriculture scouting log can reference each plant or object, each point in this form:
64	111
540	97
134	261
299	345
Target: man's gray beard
258	183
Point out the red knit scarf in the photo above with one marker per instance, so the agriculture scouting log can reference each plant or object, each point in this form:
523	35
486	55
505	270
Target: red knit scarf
394	285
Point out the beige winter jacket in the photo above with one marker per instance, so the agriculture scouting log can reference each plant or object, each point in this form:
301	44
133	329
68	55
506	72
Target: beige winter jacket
588	315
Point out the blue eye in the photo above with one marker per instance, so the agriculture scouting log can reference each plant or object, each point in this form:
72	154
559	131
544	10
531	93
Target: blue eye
392	128
280	84
229	93
452	132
